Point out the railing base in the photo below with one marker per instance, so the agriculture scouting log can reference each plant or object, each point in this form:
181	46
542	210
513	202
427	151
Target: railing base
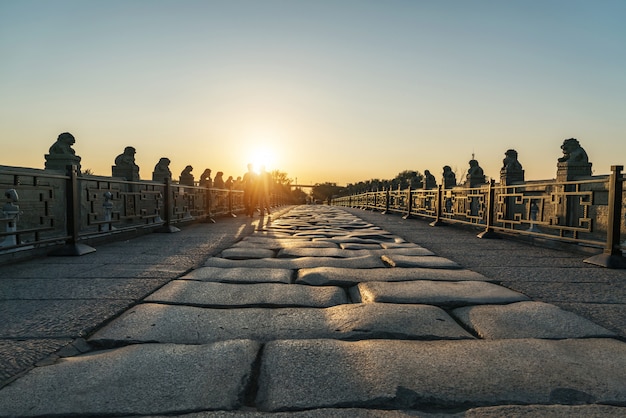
488	234
72	250
609	261
438	222
167	229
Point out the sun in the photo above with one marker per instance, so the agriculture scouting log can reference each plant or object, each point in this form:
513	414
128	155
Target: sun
262	158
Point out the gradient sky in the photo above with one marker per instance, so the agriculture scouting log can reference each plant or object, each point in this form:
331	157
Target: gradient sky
325	90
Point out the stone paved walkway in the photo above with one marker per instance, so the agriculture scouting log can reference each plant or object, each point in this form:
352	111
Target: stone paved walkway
320	313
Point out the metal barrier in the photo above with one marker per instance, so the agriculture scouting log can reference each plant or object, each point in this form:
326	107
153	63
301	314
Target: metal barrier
588	211
47	207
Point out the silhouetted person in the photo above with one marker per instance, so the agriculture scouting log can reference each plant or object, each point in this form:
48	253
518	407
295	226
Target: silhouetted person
264	186
205	178
238	183
248	181
218	181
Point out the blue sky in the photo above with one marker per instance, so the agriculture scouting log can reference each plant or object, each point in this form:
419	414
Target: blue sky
336	91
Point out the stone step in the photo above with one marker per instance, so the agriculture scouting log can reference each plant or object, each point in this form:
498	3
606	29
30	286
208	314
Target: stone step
152	322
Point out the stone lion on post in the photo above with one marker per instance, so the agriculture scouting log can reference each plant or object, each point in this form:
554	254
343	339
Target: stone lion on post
574	163
573	152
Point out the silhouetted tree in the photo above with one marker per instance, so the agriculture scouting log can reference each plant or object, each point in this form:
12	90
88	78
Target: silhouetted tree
325	191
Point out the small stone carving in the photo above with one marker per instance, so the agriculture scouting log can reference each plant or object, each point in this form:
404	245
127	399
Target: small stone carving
475	175
162	170
429	180
11	213
61	153
449	178
125	166
511	170
186	178
205	178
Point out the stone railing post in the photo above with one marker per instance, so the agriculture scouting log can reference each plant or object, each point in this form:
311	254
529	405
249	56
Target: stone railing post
438	208
230	202
72	211
489	233
409	203
387	199
612	256
167	227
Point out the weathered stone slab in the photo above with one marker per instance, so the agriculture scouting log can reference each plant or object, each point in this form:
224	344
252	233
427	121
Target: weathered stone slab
284	243
343	253
355	246
298	263
137	379
320	413
348	240
431	292
528	320
334	276
315	233
186	292
433	262
543	411
378	235
192	325
240	275
415	374
391	245
247	253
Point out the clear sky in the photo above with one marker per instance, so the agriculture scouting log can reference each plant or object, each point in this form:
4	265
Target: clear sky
324	90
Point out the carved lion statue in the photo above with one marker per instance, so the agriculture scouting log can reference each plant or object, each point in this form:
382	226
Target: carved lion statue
510	162
63	144
573	152
162	169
